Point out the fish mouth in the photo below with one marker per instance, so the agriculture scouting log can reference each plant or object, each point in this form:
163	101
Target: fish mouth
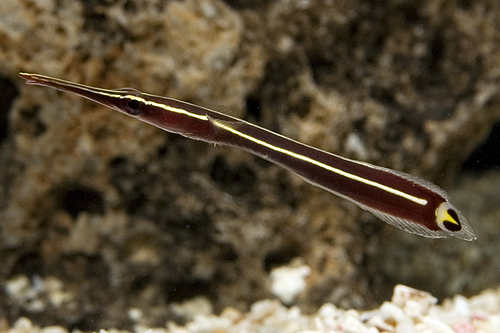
106	97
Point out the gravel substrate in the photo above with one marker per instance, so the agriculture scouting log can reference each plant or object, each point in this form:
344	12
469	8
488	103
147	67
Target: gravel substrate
410	311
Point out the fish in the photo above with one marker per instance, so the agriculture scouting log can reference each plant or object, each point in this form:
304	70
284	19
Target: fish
407	202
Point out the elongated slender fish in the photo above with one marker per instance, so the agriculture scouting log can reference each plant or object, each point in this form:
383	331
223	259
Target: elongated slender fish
407	202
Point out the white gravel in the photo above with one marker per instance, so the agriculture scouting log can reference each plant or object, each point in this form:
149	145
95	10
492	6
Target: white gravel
410	311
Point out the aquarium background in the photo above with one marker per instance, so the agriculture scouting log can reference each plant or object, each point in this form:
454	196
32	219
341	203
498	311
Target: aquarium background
109	222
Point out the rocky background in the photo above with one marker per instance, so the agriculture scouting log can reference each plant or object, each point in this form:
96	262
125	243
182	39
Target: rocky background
102	216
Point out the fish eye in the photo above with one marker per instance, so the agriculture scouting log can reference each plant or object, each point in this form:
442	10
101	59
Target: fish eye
133	105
